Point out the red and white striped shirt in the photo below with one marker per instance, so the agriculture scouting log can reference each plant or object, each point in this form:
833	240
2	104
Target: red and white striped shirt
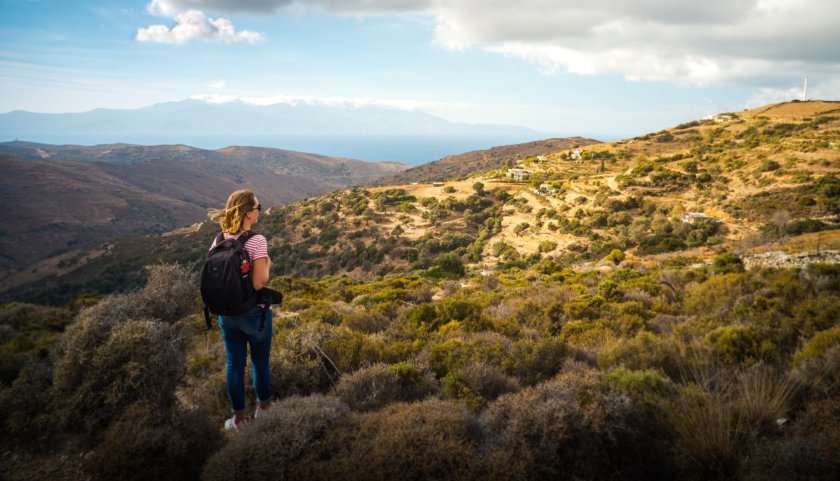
256	246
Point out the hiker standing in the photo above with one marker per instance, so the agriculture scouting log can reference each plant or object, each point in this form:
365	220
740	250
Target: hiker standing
250	328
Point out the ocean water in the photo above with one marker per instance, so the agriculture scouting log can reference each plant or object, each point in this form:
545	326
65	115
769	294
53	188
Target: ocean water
409	149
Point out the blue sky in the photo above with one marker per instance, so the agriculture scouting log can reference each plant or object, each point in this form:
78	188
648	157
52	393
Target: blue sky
607	69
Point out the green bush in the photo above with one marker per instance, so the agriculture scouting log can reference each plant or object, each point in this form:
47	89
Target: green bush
615	256
739	344
727	263
818	345
476	383
660	243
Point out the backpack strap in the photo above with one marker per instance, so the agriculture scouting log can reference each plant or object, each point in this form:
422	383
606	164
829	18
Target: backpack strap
243	237
207	318
262	316
219	238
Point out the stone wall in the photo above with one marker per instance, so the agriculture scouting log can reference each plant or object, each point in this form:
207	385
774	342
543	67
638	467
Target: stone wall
779	259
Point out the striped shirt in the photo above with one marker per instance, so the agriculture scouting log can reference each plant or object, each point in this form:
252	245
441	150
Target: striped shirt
256	246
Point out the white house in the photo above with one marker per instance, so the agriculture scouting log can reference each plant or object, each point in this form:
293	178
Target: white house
545	189
692	216
518	174
542	158
576	155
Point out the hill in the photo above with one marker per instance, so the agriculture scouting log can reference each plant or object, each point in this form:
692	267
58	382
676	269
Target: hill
74	196
678	196
469	163
630	312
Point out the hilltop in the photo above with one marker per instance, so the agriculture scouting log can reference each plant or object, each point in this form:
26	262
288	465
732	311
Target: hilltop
477	161
678	195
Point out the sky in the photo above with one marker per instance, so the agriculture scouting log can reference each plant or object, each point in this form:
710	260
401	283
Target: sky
606	69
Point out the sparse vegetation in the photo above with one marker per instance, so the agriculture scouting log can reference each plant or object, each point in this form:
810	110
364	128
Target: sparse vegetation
610	331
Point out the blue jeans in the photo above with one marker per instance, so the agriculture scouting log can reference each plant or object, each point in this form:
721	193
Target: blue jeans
238	332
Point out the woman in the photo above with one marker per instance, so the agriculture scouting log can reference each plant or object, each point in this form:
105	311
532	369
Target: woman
241	212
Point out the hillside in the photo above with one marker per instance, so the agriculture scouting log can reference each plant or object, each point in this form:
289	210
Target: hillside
742	175
665	307
477	161
74	196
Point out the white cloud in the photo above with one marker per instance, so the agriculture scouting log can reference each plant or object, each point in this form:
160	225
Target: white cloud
743	42
218	84
194	25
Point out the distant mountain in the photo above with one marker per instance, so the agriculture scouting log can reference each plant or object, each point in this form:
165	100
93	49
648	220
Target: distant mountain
57	198
477	161
201	117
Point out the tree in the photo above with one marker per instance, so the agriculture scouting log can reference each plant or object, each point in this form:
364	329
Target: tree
479	188
780	220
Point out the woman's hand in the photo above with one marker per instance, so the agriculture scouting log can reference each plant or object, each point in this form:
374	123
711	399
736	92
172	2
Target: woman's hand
259	273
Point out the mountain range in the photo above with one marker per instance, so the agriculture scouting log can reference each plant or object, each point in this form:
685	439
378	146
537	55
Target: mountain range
198	116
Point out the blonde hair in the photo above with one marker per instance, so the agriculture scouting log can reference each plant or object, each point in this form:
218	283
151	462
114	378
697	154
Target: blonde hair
233	215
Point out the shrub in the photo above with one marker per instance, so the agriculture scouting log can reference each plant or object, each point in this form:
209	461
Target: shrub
533	361
818	345
169	293
431	439
615	256
793	458
660	243
804	226
568	428
377	385
25	402
727	263
647	351
477	383
147	443
107	367
273	441
740	344
449	356
718	296
450	265
422	316
366	321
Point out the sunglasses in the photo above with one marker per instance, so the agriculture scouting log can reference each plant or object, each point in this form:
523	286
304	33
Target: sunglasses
258	207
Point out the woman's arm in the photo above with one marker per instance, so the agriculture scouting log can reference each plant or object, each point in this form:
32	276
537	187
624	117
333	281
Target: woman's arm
259	272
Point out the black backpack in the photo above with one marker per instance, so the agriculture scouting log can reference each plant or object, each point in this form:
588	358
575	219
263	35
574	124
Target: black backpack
226	284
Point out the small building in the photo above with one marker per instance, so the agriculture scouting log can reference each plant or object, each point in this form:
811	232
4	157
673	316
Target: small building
542	158
519	174
546	189
692	216
437	184
576	155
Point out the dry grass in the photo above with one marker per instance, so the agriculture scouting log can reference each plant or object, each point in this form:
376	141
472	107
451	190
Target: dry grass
719	421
